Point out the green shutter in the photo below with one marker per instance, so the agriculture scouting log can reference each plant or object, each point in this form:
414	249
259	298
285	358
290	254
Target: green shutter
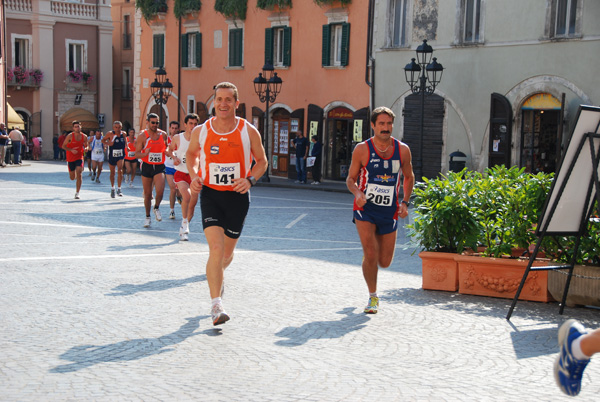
235	47
184	50
155	58
161	50
345	44
268	45
287	46
326	51
198	49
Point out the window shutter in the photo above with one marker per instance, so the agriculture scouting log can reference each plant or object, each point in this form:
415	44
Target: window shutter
287	46
198	49
345	44
269	45
161	50
184	50
235	47
326	51
155	51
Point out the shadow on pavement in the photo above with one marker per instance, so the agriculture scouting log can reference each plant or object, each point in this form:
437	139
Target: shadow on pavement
297	336
85	356
154	286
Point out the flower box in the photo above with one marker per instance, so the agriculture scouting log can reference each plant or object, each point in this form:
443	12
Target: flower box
440	271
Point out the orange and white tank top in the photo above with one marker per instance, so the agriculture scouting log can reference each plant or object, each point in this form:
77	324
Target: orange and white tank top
130	154
157	149
224	156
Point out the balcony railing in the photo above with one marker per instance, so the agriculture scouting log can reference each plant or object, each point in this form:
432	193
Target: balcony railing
59	8
28	82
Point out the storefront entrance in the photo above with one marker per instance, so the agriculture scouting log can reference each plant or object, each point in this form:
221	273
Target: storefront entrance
338	143
540	145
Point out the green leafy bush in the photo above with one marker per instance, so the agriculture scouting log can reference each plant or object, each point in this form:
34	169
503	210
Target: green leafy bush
232	8
183	7
270	4
149	8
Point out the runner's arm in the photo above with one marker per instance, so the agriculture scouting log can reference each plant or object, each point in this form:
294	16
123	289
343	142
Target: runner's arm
360	157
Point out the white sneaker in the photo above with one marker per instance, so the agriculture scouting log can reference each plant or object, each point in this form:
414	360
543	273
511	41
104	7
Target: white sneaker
219	316
183	237
147	222
185	227
76	196
157	214
130	184
172	214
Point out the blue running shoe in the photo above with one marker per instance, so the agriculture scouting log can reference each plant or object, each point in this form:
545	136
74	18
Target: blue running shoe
568	371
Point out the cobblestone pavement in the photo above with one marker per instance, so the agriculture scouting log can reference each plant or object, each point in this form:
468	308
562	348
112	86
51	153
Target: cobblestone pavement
96	307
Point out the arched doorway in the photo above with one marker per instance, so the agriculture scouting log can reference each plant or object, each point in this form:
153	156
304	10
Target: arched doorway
540	123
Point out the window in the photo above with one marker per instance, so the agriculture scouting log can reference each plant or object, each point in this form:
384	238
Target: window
191	50
471	22
566	16
76	55
126	32
191	105
126	89
236	47
336	41
21	52
158	50
278	44
399	28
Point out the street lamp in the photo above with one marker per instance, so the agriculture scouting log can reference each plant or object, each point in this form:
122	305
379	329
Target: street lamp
267	86
423	76
161	90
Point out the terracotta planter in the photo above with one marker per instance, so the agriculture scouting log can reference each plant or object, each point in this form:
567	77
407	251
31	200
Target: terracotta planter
584	289
440	271
500	277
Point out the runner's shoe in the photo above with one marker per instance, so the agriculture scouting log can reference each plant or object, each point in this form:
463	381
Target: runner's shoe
185	227
172	214
157	214
119	193
130	184
179	199
147	222
183	237
112	193
76	196
219	316
568	371
93	177
372	306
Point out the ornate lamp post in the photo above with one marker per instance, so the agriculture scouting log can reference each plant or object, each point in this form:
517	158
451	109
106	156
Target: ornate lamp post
161	90
422	77
267	86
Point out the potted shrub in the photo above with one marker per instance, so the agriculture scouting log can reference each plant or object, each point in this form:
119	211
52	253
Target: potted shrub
151	8
185	7
491	213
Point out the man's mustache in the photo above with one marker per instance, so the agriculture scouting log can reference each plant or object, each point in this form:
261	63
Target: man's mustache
385	132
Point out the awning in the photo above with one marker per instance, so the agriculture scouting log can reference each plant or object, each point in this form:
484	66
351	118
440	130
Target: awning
13	119
87	119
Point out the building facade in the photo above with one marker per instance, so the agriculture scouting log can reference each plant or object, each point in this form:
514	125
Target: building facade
59	64
123	17
318	52
514	76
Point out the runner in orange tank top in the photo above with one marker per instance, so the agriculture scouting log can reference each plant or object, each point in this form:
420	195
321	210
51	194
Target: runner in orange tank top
219	156
130	159
151	147
75	146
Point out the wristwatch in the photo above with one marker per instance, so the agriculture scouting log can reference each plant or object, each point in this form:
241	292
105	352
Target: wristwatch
407	203
252	180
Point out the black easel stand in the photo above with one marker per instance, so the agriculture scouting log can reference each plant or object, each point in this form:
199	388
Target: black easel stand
594	185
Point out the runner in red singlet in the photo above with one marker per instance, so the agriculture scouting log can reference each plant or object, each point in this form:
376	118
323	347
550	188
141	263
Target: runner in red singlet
151	148
130	159
219	161
75	146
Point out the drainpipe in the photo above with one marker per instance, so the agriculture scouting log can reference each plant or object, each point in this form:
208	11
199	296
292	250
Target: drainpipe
370	61
179	75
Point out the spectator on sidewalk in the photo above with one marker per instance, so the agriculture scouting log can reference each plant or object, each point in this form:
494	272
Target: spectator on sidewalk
316	152
3	144
56	147
17	138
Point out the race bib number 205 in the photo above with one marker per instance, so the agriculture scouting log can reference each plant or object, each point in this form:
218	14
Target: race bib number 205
223	174
380	195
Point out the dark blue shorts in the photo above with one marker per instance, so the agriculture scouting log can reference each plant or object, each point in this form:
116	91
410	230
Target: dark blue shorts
383	225
75	164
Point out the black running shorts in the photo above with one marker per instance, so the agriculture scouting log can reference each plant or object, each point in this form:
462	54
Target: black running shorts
227	209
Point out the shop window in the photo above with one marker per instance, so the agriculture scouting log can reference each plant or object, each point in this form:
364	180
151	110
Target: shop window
191	50
158	50
236	47
278	45
336	44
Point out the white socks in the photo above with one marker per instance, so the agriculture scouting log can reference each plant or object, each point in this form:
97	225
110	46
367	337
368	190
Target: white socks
216	300
576	349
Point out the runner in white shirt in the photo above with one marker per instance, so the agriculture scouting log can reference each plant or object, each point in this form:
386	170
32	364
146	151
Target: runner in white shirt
179	144
97	149
170	170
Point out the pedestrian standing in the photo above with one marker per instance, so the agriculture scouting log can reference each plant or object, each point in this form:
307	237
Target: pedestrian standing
317	153
374	179
75	146
301	144
17	139
55	147
219	161
3	142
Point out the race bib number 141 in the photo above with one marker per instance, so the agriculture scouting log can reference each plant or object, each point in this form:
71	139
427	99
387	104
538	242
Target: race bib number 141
223	174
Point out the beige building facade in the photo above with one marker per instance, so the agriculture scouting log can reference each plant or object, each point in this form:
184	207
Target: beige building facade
515	73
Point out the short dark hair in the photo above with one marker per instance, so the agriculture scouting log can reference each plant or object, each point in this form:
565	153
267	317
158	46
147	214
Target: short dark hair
76	122
152	116
382	110
174	122
191	116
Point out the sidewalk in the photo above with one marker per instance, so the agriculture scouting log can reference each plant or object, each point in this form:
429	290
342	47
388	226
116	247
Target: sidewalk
338	186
